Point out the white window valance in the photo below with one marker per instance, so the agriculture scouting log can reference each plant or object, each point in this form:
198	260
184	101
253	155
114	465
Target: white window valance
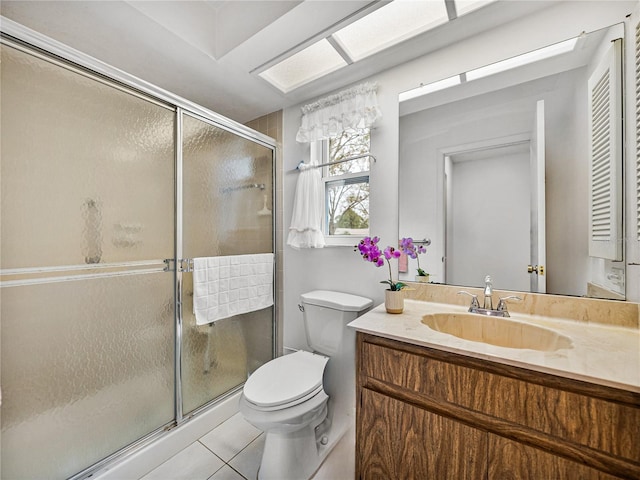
356	107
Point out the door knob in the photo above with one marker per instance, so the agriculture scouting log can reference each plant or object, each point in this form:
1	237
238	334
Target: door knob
539	269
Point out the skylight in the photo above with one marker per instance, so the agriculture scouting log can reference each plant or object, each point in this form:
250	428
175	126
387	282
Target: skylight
502	66
524	59
313	62
388	25
465	6
384	27
429	88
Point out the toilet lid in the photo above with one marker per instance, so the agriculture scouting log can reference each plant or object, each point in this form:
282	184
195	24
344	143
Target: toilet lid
285	379
336	300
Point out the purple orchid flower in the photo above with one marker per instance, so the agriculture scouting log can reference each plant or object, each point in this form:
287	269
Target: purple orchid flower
370	252
412	250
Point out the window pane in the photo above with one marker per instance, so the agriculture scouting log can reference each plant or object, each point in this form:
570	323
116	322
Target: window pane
350	143
348	207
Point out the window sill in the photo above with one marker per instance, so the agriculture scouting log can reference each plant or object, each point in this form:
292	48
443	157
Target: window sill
342	240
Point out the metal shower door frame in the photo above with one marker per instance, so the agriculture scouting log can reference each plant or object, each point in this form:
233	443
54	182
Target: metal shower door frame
30	41
179	249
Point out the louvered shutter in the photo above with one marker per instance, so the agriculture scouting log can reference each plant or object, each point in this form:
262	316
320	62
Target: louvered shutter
605	142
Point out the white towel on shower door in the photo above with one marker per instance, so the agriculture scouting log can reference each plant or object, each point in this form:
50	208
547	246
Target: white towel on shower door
231	285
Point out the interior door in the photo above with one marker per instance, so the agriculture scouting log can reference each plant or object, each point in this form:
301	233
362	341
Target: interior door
538	203
489	187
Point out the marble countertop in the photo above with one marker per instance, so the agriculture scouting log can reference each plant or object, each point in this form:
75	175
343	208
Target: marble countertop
600	354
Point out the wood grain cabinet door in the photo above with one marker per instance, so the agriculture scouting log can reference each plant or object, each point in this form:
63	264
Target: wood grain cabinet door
509	460
399	441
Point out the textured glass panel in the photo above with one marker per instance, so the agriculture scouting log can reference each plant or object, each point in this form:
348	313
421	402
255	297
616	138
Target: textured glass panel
389	25
220	356
87	368
225	181
87	170
227	192
313	62
87	177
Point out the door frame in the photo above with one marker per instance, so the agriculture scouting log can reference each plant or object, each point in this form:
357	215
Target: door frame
441	184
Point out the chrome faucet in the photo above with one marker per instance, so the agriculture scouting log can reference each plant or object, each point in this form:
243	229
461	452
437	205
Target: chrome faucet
488	292
487	309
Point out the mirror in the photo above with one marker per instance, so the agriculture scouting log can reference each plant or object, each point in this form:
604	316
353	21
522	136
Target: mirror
495	172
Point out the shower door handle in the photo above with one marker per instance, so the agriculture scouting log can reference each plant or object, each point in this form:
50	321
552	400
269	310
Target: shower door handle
185	265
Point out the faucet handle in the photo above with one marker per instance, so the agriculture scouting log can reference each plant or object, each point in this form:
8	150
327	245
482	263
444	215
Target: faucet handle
502	304
474	300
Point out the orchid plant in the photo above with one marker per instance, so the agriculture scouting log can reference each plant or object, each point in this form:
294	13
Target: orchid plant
413	251
368	248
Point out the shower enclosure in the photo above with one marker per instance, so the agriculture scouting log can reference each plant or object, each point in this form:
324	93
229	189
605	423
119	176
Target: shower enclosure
109	187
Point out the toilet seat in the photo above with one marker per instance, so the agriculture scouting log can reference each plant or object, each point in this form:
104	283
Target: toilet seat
286	381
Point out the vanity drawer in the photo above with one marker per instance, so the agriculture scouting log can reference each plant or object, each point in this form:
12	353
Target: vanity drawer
543	403
442	381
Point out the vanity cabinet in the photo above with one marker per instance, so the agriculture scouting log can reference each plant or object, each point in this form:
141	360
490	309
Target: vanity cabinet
424	413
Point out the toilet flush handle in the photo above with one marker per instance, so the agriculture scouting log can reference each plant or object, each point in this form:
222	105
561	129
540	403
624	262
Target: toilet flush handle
301	307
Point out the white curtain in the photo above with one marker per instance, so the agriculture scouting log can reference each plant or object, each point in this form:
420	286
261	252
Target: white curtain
326	118
306	222
356	107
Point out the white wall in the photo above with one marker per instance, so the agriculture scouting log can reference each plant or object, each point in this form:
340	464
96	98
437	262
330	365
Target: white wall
342	269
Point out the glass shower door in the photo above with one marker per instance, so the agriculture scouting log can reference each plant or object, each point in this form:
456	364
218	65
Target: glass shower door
87	310
227	189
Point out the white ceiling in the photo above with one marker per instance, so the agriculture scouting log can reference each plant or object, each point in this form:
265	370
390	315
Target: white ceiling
207	51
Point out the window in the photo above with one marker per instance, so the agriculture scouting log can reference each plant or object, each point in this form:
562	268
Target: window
346	187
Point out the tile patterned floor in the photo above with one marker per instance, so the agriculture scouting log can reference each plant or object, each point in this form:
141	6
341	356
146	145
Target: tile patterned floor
232	451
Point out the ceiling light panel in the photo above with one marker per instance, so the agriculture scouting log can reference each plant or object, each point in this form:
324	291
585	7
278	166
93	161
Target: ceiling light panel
305	66
466	6
391	24
430	88
524	59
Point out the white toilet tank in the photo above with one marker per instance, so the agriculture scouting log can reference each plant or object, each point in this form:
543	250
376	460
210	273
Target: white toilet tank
326	315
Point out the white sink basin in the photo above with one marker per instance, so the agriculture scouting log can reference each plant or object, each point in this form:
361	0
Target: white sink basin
498	331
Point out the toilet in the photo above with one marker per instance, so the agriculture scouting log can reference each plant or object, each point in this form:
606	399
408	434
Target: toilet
305	401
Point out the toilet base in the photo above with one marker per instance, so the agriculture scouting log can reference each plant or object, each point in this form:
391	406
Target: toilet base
292	455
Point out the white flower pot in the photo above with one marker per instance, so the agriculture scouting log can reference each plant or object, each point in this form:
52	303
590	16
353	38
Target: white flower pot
394	301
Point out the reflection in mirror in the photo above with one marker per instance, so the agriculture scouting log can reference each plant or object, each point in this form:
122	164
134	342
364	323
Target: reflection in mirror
501	168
